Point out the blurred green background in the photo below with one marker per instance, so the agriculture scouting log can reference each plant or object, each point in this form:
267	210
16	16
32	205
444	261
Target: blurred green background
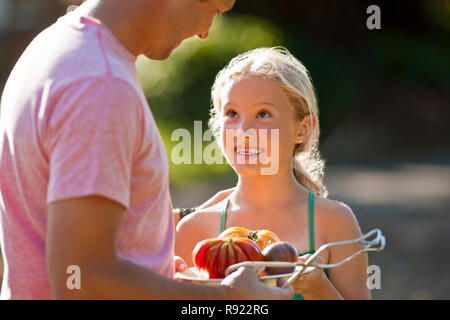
384	99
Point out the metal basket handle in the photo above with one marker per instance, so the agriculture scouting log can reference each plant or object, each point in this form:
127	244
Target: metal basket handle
372	241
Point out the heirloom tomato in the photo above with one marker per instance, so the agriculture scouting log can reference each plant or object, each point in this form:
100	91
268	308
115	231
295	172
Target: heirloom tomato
213	256
262	238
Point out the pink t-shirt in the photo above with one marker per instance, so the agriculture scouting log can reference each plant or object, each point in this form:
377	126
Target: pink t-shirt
75	122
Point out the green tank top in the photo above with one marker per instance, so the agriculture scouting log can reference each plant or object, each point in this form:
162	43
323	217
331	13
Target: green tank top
311	232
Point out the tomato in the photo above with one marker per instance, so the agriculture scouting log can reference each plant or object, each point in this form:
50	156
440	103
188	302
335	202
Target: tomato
214	256
262	238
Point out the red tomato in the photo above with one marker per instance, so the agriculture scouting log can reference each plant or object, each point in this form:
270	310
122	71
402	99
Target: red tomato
214	256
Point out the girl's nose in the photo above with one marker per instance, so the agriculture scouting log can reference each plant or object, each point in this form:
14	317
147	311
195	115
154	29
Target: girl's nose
247	128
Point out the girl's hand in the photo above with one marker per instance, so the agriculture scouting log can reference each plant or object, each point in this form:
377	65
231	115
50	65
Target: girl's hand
311	282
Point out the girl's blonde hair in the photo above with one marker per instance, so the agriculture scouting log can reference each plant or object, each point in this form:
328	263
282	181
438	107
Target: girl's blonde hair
278	64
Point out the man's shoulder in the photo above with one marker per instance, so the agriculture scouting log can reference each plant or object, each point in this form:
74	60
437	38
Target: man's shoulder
88	99
73	54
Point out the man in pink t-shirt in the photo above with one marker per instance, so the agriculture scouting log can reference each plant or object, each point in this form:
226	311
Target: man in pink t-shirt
84	185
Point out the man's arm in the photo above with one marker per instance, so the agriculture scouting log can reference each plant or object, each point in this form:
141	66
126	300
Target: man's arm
83	232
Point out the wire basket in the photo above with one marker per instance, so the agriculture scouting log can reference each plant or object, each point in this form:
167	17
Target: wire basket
374	240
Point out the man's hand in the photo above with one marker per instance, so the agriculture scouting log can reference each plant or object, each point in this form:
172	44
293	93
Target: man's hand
243	284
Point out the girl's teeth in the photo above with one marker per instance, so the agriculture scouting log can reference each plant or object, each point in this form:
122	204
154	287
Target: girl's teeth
250	152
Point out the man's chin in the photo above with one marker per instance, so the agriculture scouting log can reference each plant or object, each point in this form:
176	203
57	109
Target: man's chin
163	55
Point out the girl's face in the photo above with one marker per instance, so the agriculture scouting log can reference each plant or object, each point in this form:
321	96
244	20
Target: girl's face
264	124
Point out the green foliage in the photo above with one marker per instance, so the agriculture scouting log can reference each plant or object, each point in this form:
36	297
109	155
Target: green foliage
181	173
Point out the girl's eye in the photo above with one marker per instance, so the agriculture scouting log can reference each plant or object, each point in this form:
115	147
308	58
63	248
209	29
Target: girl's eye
264	114
231	114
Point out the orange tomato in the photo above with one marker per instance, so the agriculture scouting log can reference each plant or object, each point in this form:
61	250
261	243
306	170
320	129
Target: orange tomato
262	238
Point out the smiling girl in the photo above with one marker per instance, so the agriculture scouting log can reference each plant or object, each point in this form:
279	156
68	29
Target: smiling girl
268	92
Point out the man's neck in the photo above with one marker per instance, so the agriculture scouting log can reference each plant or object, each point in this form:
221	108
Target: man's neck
122	20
